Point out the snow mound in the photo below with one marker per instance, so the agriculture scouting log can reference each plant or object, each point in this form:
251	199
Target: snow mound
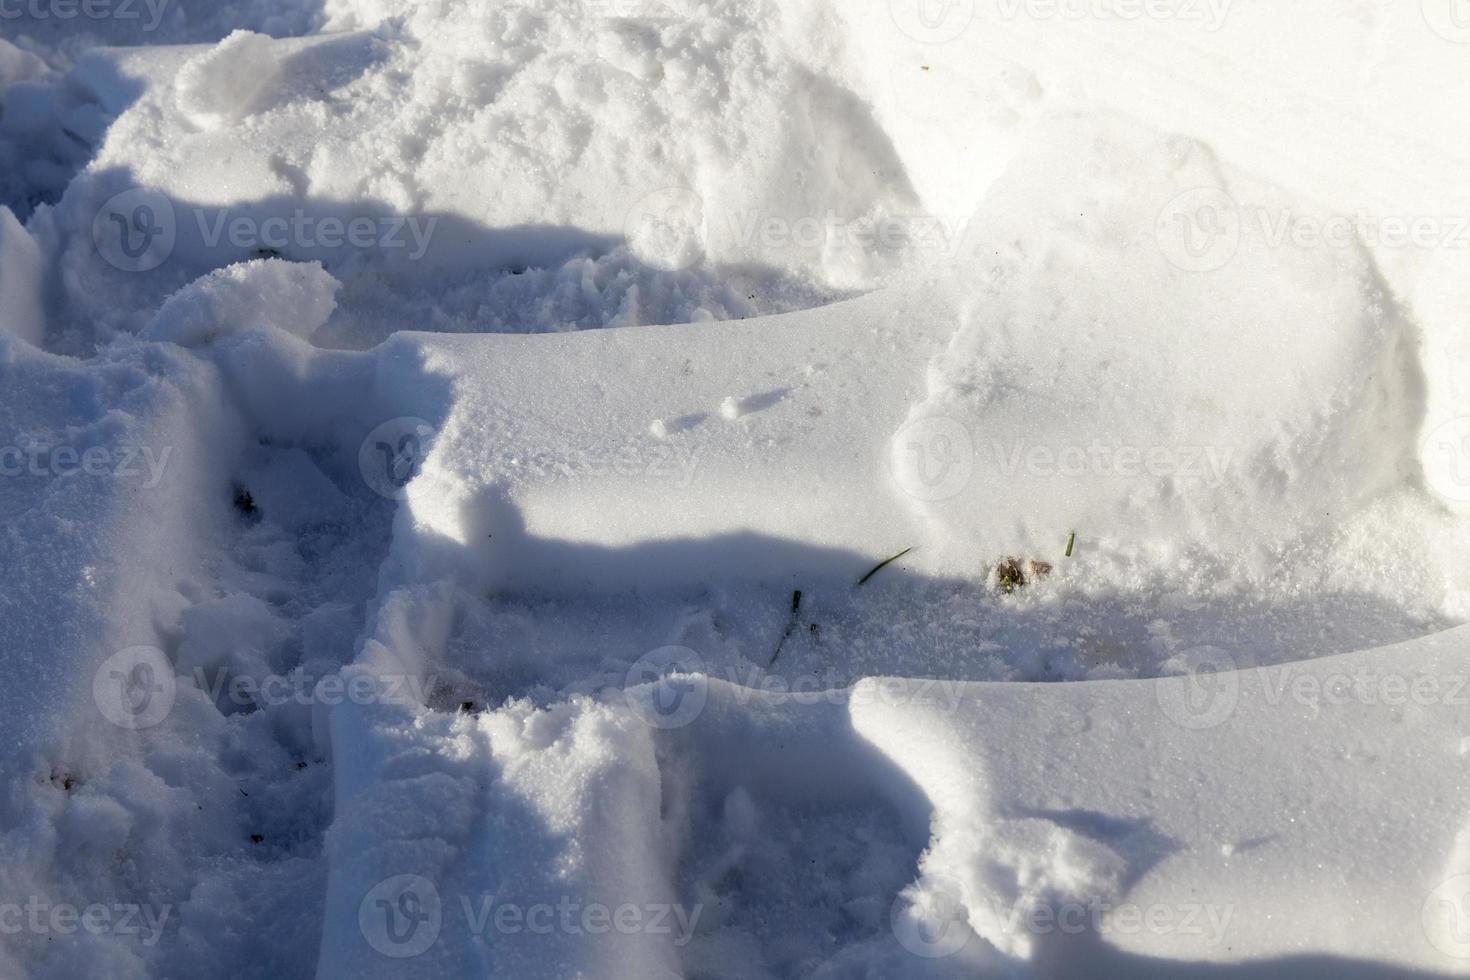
624	167
295	297
1223	391
224	84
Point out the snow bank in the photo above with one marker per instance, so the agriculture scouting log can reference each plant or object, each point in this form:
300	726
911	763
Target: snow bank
293	297
20	281
625	178
527	812
106	481
1082	830
1046	410
1169	797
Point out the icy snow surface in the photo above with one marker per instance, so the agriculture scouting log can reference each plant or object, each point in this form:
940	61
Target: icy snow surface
653	488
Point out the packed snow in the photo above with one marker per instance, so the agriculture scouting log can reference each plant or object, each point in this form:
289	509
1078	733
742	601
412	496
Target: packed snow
657	488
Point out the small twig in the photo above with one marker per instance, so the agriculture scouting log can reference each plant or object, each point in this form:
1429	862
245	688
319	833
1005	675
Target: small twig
882	565
790	626
1071	540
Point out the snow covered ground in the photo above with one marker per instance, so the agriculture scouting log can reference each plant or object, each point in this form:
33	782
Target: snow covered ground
643	488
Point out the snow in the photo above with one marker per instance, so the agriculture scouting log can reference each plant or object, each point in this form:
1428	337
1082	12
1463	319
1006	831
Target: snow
295	297
651	488
223	85
20	280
